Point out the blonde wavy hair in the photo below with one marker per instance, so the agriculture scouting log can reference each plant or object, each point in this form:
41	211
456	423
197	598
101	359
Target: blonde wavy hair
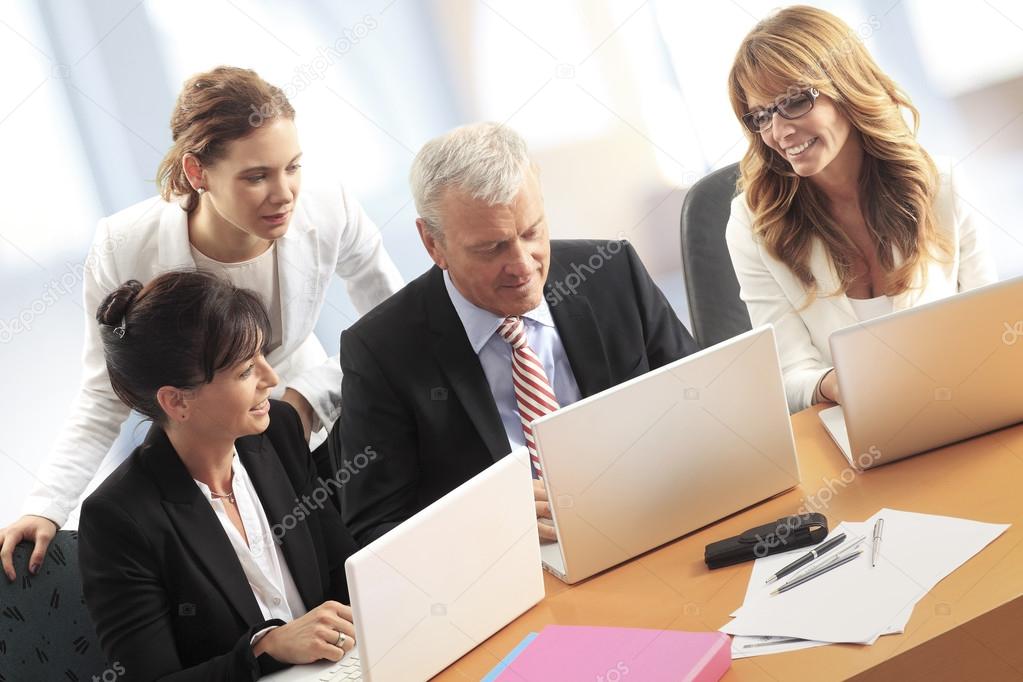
806	47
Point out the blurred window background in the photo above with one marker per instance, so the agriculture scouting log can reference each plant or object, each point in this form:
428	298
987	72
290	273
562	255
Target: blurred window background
624	105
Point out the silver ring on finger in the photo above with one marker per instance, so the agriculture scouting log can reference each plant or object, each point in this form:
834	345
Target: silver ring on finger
341	639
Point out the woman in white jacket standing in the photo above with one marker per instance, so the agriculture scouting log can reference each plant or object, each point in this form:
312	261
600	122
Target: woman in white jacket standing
229	204
843	215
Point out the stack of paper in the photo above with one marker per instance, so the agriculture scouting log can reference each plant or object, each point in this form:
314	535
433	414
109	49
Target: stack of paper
856	603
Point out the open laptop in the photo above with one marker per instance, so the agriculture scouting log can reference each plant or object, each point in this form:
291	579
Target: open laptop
442	582
664	454
928	376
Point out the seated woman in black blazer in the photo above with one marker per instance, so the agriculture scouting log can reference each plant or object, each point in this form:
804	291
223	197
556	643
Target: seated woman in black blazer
205	554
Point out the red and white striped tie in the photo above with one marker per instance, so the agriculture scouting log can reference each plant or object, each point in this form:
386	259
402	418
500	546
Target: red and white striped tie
533	391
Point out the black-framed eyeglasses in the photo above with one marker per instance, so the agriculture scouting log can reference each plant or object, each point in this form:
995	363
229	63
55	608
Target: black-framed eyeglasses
788	107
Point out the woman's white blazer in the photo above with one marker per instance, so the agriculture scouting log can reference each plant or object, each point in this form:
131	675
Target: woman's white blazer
329	234
773	294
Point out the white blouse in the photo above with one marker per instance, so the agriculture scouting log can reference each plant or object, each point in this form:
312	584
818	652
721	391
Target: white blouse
330	236
259	275
261	558
869	308
775	295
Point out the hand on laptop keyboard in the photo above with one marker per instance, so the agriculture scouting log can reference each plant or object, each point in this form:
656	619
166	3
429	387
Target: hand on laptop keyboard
345	670
312	637
544	524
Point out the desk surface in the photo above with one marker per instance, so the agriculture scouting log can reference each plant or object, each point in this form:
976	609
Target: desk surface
671	588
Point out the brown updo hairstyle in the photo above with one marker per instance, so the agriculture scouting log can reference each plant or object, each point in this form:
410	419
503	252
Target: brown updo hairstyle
179	330
213	109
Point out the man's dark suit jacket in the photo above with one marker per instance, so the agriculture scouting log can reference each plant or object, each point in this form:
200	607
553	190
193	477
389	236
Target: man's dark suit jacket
162	582
415	394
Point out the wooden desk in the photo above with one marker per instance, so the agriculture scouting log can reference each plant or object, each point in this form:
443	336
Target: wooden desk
967	627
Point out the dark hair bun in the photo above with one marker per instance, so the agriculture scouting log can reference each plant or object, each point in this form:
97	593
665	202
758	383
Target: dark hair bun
115	306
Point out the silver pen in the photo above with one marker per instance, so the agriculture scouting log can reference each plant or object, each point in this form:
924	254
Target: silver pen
819	572
824	561
773	641
878	529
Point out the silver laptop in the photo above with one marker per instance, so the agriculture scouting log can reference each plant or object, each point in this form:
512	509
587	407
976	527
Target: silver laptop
654	458
928	376
442	582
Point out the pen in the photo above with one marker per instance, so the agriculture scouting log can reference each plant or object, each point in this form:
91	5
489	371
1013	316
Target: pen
773	641
808	557
878	529
841	553
820	571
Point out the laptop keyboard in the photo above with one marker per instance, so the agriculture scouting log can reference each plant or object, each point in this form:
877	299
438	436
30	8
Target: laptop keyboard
346	669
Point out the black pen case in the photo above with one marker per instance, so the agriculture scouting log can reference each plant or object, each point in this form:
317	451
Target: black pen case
790	532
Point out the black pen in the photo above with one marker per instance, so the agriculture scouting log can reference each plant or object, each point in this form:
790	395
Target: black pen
808	557
820	571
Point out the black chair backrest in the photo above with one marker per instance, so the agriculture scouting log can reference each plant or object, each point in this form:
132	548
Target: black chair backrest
45	630
711	287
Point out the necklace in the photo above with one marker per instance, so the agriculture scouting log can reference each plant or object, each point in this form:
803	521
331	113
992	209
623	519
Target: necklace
225	496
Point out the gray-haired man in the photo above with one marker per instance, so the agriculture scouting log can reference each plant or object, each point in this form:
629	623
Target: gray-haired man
444	378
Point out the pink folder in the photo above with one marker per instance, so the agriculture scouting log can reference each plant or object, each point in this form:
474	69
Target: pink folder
597	654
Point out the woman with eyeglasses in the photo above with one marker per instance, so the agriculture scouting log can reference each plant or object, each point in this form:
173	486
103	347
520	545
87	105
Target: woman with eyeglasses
231	203
202	557
843	216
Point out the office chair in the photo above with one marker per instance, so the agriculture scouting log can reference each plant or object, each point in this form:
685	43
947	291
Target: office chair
45	630
711	287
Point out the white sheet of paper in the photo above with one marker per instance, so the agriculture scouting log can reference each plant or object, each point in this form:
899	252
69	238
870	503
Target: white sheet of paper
758	589
856	603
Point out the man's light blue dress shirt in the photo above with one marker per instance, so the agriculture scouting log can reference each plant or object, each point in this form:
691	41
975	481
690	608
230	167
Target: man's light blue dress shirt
495	356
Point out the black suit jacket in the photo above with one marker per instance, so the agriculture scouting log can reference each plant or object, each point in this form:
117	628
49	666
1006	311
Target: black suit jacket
419	418
165	589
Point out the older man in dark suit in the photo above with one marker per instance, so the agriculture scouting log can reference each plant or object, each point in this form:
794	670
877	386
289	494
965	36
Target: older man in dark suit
445	377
